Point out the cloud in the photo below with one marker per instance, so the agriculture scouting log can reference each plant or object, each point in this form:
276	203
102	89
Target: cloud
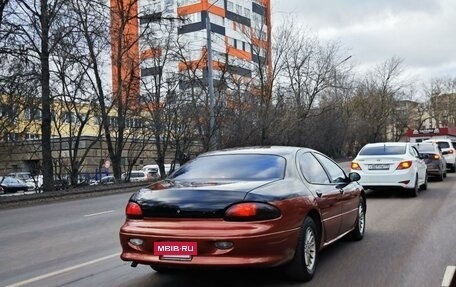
421	32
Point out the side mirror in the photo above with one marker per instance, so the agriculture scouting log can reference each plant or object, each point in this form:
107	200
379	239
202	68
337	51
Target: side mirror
354	176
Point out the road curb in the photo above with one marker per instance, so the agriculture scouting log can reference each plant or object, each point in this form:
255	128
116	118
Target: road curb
68	194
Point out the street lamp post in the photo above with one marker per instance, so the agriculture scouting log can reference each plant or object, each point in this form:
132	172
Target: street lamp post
335	74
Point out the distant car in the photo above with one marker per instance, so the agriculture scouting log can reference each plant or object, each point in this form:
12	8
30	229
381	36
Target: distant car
26	177
11	184
434	159
387	165
138	176
448	151
109	179
154	169
247	207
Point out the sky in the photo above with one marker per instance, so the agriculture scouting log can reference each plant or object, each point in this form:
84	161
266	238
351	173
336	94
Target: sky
420	32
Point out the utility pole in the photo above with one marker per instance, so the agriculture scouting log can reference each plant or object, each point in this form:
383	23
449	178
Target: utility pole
335	74
210	76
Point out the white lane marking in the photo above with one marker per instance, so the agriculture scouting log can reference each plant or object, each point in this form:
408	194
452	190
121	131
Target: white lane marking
450	272
58	272
99	213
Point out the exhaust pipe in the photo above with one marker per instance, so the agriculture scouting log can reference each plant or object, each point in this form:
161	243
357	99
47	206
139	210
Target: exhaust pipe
134	264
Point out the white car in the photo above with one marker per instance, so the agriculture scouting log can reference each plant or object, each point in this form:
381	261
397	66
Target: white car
390	165
138	176
153	168
448	151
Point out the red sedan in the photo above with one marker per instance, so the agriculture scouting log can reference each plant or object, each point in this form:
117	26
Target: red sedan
248	207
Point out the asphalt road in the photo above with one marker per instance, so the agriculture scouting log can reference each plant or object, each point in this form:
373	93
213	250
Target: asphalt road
408	242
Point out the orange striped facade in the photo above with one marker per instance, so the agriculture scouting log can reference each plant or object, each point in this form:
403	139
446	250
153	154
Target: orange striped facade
125	49
234	23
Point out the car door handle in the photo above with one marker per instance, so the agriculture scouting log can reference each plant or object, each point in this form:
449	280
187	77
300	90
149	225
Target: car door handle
319	193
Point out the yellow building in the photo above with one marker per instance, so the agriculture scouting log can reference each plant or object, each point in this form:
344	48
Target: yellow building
72	124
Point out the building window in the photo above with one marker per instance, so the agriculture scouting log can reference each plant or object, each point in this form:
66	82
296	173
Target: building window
32	114
186	2
193	18
238	9
247	12
229	6
12	137
216	19
231	41
113	121
134	123
32	137
69	117
97	120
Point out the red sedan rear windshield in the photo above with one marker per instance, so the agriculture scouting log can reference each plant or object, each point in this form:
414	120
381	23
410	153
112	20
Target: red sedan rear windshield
233	167
382	150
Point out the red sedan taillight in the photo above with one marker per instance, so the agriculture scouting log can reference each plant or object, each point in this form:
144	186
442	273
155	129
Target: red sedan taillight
355	166
251	211
404	164
133	211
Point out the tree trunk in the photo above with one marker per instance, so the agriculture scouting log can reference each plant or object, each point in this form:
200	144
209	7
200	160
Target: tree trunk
48	178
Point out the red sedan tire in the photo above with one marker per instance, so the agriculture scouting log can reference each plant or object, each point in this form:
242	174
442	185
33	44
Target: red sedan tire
302	267
360	224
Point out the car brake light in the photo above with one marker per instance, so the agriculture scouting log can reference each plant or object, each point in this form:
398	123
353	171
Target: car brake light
450	151
133	211
355	166
405	164
251	211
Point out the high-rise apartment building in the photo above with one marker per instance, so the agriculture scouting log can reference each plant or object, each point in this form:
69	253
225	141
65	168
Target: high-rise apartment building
173	40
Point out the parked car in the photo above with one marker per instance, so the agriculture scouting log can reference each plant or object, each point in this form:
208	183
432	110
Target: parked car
246	207
109	179
11	184
26	177
138	176
448	151
391	165
434	159
155	170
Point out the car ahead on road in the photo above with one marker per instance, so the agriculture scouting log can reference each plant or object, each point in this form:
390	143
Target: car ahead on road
391	165
246	207
448	151
11	184
154	169
434	159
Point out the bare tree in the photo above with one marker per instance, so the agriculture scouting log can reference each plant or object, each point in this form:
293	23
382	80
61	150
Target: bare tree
3	4
193	89
160	83
375	101
38	27
308	82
